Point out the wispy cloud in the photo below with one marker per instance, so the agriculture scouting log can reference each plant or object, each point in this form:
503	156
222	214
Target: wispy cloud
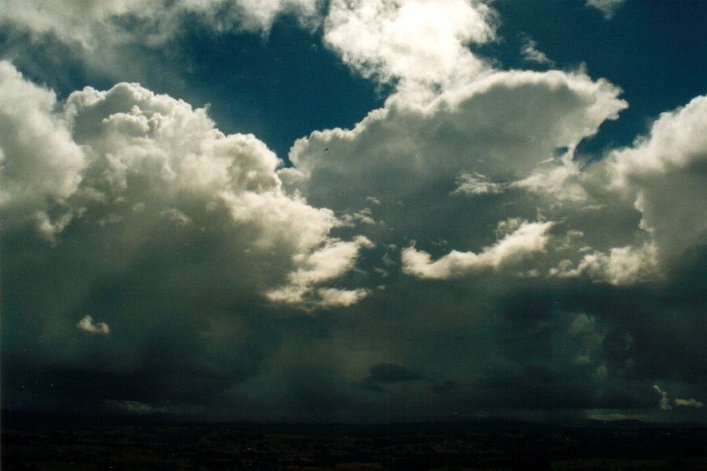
531	53
608	8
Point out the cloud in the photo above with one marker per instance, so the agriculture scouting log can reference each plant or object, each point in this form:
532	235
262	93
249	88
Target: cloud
259	15
477	184
592	337
87	325
134	407
527	239
488	127
416	43
332	297
607	7
372	36
70	23
40	161
620	266
664	403
431	157
663	175
152	158
104	20
325	264
125	39
203	251
691	403
531	53
166	226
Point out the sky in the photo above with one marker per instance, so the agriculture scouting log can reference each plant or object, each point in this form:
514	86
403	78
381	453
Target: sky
354	211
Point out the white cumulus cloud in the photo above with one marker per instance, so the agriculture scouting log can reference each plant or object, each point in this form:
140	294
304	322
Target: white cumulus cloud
618	266
529	238
491	127
127	166
325	264
39	160
420	43
663	175
117	37
90	23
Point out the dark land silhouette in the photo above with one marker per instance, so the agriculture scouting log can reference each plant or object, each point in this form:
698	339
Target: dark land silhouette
40	441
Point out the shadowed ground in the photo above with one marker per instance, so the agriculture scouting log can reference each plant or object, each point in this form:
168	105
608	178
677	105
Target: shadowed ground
54	442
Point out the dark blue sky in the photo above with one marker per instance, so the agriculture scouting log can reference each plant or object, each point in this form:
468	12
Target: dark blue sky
280	87
653	50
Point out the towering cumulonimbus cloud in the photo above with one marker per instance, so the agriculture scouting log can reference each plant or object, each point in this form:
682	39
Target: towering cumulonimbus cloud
133	206
479	149
130	162
488	126
40	160
663	175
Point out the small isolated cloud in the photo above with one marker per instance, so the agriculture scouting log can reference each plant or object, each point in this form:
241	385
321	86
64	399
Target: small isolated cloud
664	403
531	53
524	241
608	8
692	403
88	326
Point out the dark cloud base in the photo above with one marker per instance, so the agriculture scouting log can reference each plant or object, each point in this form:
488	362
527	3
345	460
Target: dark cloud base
517	358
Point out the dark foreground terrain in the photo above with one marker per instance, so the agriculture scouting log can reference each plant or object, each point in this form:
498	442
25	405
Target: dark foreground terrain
52	442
